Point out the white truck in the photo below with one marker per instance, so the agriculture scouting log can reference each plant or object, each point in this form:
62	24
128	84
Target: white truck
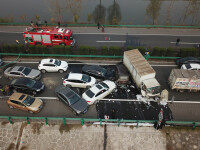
142	73
184	80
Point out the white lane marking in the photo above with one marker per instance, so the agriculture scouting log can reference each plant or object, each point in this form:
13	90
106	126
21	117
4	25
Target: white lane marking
110	41
138	34
135	100
115	34
114	63
164	65
10	32
184	43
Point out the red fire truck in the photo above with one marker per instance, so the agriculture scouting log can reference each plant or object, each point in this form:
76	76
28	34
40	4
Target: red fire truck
49	36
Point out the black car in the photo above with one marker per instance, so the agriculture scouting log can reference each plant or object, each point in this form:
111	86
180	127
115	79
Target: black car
187	60
98	72
72	99
26	85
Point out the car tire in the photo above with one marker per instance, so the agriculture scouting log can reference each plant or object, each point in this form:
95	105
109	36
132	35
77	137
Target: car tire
30	112
34	92
75	113
68	85
11	107
88	87
43	71
60	71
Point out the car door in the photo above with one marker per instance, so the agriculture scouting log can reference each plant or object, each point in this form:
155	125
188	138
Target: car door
18	105
101	94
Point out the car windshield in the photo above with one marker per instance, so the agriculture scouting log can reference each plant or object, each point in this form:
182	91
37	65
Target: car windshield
57	62
104	72
73	98
104	85
31	83
188	66
86	78
89	93
154	90
71	37
26	71
28	101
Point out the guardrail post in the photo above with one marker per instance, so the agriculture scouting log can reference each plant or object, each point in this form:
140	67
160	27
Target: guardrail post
137	123
27	119
100	122
9	119
194	125
46	120
119	122
82	121
64	121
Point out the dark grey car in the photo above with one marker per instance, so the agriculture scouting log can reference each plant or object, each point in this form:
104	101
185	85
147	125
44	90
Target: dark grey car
73	100
20	71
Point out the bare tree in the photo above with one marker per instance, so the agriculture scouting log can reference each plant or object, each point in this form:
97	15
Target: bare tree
168	12
75	8
99	14
56	8
23	18
114	13
153	10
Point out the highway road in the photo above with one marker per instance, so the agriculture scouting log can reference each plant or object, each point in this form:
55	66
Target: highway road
116	37
53	107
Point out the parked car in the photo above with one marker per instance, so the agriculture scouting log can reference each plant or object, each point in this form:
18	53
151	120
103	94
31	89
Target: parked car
122	74
78	80
27	85
25	102
187	60
191	66
52	65
20	71
98	91
98	72
72	99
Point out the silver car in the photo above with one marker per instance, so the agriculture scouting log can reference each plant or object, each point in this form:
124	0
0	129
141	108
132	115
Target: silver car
20	71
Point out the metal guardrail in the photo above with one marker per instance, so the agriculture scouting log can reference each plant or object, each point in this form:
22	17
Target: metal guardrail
85	120
94	25
86	56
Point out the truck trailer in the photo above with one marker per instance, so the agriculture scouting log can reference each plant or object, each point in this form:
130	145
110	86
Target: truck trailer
184	80
142	73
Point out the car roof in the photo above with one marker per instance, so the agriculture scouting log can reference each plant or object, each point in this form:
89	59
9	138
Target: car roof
74	76
22	81
193	65
18	68
18	96
47	61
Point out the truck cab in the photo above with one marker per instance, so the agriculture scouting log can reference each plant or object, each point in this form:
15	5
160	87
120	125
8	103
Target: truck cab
150	88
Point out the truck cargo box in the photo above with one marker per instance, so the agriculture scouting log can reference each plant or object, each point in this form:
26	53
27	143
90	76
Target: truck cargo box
139	68
182	79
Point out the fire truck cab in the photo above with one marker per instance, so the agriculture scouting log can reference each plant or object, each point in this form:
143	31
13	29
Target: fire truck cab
49	36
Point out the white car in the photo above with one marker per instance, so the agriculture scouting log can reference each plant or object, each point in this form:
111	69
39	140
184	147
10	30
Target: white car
52	65
99	91
191	66
78	80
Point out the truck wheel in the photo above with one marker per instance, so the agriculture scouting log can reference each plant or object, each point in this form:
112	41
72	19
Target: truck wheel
43	71
34	92
60	71
63	44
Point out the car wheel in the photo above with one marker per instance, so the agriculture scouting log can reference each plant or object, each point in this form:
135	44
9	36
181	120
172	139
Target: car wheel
43	71
88	87
60	71
11	107
34	92
68	85
14	90
10	78
75	113
30	112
